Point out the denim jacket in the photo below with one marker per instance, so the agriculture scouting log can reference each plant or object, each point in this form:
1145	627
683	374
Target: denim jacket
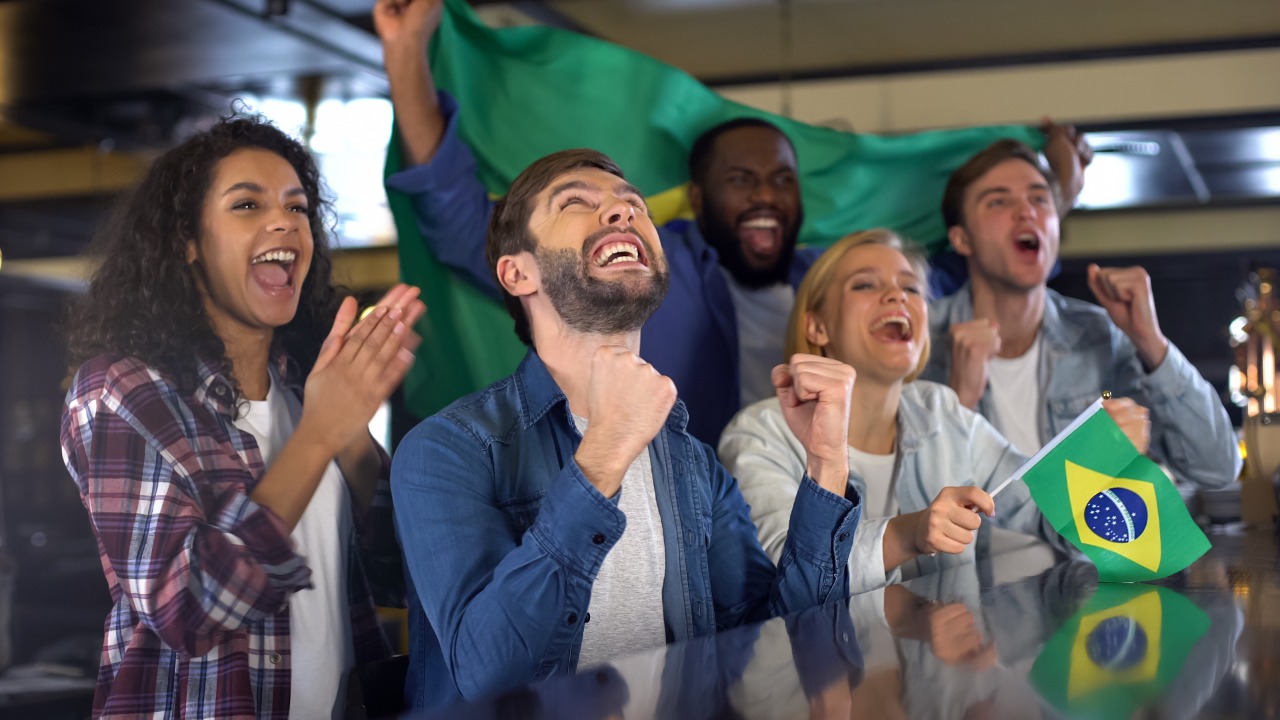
503	536
939	443
1085	353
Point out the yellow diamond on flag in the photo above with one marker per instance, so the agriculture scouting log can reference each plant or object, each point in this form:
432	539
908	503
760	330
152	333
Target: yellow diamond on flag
1117	646
1117	514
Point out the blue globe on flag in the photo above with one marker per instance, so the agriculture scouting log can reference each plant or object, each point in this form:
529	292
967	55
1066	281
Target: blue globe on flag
1118	515
1117	643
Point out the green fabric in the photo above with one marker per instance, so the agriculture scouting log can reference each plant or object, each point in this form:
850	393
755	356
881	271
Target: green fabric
1114	503
1119	652
528	91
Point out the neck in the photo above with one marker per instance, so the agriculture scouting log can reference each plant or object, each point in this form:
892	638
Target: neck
249	352
567	355
1019	313
873	416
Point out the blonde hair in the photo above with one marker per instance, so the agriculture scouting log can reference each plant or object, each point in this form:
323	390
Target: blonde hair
813	290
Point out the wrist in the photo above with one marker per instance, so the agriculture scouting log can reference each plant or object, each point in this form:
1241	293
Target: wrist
1152	350
830	475
602	463
308	436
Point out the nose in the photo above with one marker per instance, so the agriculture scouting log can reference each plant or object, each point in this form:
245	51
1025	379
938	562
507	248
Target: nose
762	193
284	219
895	293
1025	208
617	212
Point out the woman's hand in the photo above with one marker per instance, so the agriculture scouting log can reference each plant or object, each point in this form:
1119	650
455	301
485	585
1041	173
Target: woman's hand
949	522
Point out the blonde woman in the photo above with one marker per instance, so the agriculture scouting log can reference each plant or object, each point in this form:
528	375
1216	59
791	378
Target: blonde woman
922	462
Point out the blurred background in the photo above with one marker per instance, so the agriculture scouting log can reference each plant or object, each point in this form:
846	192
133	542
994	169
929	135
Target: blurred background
1180	99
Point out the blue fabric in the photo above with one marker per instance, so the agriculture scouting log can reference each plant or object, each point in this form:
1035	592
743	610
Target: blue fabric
693	336
503	536
1084	354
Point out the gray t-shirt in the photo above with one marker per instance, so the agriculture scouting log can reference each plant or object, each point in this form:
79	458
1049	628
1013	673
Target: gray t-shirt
626	598
762	327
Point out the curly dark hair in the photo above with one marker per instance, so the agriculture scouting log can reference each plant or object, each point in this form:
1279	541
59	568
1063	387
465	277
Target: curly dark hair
144	299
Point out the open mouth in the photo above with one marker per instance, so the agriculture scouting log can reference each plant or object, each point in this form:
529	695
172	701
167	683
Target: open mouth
761	234
273	270
893	328
619	250
1027	242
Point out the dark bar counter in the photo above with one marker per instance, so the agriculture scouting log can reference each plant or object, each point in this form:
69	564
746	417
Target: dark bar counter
1021	634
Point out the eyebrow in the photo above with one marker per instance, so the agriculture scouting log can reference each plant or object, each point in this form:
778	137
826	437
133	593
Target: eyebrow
624	188
859	271
256	188
994	190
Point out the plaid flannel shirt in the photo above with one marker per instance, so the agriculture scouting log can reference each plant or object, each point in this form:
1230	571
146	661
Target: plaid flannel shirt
200	574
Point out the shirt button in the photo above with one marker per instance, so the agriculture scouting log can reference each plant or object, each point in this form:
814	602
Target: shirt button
219	391
274	658
842	536
587	619
572	619
598	538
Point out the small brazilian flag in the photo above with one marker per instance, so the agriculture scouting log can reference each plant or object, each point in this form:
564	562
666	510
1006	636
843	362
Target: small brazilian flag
1112	502
1119	652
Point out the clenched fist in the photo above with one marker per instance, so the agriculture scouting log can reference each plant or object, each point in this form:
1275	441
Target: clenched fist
949	522
1125	293
815	393
628	401
1133	419
973	343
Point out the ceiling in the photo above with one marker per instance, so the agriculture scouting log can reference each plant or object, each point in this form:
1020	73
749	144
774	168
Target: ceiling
90	91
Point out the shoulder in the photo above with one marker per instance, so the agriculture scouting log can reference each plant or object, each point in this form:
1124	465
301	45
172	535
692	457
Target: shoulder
764	413
118	379
937	402
1073	311
760	422
481	417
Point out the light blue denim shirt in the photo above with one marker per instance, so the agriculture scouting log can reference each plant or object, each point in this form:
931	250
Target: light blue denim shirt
940	443
1084	354
503	536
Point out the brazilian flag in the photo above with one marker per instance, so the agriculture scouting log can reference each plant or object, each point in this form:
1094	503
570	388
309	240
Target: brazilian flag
1119	652
1113	503
525	92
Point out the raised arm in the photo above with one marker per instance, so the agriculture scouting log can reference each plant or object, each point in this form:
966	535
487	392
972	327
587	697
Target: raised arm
451	207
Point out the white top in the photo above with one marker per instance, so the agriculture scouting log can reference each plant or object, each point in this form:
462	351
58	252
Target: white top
321	647
877	473
626	598
1016	397
762	328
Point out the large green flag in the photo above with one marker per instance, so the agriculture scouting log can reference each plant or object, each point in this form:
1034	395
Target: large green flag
1119	652
1112	502
528	91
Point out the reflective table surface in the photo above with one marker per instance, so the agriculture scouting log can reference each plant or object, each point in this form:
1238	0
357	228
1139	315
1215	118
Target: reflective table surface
1018	635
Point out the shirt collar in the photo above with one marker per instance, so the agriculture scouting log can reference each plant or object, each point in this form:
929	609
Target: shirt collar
217	391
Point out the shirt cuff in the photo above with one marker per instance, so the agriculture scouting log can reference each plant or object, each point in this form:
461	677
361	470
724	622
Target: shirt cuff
453	163
866	561
264	536
1169	381
823	524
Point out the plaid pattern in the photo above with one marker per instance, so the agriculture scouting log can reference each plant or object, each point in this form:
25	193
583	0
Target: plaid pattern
200	574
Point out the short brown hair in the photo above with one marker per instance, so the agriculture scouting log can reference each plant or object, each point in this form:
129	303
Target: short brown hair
812	293
978	165
509	225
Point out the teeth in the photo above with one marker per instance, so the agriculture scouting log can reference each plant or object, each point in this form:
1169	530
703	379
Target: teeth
894	320
617	252
761	223
281	256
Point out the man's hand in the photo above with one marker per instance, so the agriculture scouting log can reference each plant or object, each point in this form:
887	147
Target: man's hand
816	394
1068	154
628	401
406	25
1125	293
973	343
949	522
1133	419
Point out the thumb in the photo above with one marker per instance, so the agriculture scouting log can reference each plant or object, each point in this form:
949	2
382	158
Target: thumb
342	323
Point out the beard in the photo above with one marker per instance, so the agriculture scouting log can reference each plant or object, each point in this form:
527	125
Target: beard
724	238
600	307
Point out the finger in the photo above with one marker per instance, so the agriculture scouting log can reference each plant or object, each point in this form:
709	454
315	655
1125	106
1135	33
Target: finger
973	499
1097	285
413	312
940	542
959	535
964	517
781	377
360	334
333	344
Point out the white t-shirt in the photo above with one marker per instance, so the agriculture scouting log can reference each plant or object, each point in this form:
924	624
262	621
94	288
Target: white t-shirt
626	597
762	328
1016	397
881	498
321	648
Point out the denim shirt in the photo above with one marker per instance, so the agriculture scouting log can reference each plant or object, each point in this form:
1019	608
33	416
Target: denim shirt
693	336
939	443
503	536
1085	353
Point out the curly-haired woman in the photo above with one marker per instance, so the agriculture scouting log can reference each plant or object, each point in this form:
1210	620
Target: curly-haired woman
216	429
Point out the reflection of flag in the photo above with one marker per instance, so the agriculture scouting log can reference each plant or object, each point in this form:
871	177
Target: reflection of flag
1120	651
528	91
1112	502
